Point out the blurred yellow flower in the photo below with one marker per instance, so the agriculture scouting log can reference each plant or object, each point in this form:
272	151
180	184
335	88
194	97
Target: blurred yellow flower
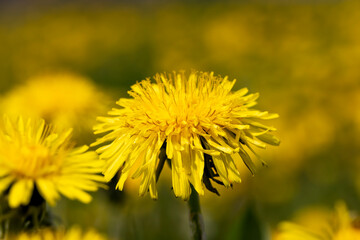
194	121
340	226
63	99
33	156
74	233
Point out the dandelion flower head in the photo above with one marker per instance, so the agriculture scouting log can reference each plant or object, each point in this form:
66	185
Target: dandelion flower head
194	121
64	99
34	156
339	226
74	233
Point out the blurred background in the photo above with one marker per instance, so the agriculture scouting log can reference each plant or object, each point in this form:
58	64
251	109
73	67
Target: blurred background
70	61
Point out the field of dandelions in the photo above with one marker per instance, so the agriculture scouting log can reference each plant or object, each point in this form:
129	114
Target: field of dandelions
67	141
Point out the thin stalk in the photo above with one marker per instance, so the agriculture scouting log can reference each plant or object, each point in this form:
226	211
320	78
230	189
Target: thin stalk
30	217
196	219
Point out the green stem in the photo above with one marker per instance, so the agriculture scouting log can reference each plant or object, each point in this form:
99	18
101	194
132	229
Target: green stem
32	216
196	219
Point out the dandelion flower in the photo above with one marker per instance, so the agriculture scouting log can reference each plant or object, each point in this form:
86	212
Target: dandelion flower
33	156
63	99
74	233
194	121
340	226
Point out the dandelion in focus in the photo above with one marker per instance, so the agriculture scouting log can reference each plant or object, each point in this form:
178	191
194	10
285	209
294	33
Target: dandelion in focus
63	99
194	122
340	226
74	233
34	157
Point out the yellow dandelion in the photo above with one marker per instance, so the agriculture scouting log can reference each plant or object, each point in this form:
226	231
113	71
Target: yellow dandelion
63	99
74	233
340	226
194	121
33	156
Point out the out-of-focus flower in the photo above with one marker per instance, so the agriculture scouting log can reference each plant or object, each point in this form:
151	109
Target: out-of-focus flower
63	99
33	156
74	233
194	121
338	226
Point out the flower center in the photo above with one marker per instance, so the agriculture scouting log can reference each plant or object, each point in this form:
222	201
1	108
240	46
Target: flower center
33	161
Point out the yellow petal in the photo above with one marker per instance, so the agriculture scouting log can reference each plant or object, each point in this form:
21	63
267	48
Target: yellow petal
5	183
48	190
20	193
